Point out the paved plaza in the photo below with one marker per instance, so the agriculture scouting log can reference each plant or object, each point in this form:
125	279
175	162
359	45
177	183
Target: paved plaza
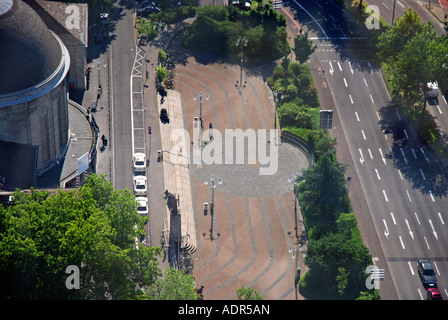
253	214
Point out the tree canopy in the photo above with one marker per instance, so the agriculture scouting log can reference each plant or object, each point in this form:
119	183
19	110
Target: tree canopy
93	228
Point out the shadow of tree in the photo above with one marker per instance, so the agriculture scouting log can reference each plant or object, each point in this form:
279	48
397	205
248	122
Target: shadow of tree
410	153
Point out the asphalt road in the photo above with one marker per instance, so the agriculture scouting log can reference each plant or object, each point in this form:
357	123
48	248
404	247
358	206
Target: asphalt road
401	179
122	59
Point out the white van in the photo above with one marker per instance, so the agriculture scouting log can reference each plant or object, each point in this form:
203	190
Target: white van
433	89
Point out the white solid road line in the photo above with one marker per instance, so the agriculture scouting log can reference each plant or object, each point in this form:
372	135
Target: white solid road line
393	218
441	219
409	197
402	243
410	267
377	174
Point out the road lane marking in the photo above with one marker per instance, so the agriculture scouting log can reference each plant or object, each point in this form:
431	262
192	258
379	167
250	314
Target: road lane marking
416	217
418	289
351	69
345	82
432	197
404	157
409	229
410	267
424	237
401	4
362	157
339	65
437	268
393	218
331	68
351	100
370	154
409	197
363	135
322	29
444	99
399	172
398	116
413	152
441	219
433	230
371	98
385	5
385	196
378	116
365	82
377	174
382	156
406	134
440	111
357	117
423	152
421	171
402	243
386	231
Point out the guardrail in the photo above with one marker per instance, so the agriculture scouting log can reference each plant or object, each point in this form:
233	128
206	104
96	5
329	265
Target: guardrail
301	144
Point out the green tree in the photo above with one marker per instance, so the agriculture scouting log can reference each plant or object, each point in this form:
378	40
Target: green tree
326	255
323	193
247	293
342	281
176	285
93	228
303	47
413	68
392	41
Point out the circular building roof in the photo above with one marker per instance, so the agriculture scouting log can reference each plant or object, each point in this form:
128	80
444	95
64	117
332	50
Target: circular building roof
29	53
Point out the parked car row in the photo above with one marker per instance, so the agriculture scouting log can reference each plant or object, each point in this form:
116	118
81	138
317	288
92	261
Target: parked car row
429	279
140	182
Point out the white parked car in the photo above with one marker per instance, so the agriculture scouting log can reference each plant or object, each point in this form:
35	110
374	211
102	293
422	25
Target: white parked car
140	185
139	162
142	206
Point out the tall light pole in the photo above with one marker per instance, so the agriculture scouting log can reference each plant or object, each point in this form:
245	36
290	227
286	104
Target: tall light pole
212	207
242	42
200	117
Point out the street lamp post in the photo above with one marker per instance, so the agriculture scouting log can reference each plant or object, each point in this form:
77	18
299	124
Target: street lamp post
241	41
201	127
212	207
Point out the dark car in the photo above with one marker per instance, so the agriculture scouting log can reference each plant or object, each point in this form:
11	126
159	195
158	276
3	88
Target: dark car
147	10
433	294
164	116
426	273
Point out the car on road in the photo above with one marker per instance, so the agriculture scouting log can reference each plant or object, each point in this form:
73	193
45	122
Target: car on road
147	10
142	205
140	188
104	18
426	273
139	162
164	116
433	294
